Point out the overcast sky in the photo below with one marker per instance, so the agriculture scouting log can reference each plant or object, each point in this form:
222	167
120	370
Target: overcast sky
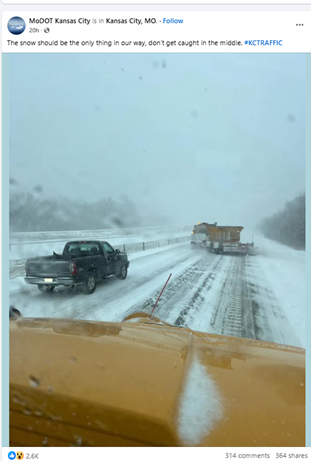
196	137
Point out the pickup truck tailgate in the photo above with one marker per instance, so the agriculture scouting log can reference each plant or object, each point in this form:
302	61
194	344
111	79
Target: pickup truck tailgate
48	268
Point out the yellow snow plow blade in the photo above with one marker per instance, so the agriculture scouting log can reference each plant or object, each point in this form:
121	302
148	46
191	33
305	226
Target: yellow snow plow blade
144	383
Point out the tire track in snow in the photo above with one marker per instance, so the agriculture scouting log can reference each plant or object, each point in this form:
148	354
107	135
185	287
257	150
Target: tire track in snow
198	299
142	281
185	294
246	306
228	317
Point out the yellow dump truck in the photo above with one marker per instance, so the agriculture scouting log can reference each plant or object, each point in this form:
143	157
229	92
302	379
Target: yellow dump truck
226	239
220	239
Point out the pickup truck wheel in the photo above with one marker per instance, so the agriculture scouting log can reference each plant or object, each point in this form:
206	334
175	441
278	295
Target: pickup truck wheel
46	288
123	273
89	284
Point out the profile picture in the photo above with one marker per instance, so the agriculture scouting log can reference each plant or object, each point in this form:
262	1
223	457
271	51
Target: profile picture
16	25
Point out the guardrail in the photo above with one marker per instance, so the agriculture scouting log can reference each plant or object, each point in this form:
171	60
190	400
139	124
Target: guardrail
144	246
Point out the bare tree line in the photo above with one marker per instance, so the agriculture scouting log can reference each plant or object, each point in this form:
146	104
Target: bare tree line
28	212
288	226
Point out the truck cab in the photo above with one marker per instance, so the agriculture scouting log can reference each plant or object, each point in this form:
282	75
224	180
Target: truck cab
200	236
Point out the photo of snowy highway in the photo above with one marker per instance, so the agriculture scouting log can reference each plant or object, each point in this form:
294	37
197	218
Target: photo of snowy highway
139	169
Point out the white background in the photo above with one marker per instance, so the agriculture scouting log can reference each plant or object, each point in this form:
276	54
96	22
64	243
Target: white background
212	25
299	39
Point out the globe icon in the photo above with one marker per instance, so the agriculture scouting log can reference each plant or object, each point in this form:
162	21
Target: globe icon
16	25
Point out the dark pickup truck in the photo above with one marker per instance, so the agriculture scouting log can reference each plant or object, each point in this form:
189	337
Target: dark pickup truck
82	263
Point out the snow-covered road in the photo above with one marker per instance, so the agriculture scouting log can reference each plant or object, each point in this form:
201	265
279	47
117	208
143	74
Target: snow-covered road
260	297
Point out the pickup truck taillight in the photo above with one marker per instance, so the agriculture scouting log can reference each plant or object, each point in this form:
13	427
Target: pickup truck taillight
73	269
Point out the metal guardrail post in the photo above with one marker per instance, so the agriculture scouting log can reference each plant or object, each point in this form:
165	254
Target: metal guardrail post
143	246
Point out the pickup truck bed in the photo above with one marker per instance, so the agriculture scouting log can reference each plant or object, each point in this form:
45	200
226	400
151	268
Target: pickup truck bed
82	263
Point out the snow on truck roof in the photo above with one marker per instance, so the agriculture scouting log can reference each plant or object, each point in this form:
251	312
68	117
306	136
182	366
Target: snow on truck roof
229	227
214	226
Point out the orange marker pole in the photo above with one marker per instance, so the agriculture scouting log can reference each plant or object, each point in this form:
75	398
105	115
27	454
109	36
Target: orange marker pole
160	295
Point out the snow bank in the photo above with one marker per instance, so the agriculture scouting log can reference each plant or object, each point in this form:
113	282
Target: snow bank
285	269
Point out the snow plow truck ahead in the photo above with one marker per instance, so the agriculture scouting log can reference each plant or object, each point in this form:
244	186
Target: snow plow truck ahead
220	239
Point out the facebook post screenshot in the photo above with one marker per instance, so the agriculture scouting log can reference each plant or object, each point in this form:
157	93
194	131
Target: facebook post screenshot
154	267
